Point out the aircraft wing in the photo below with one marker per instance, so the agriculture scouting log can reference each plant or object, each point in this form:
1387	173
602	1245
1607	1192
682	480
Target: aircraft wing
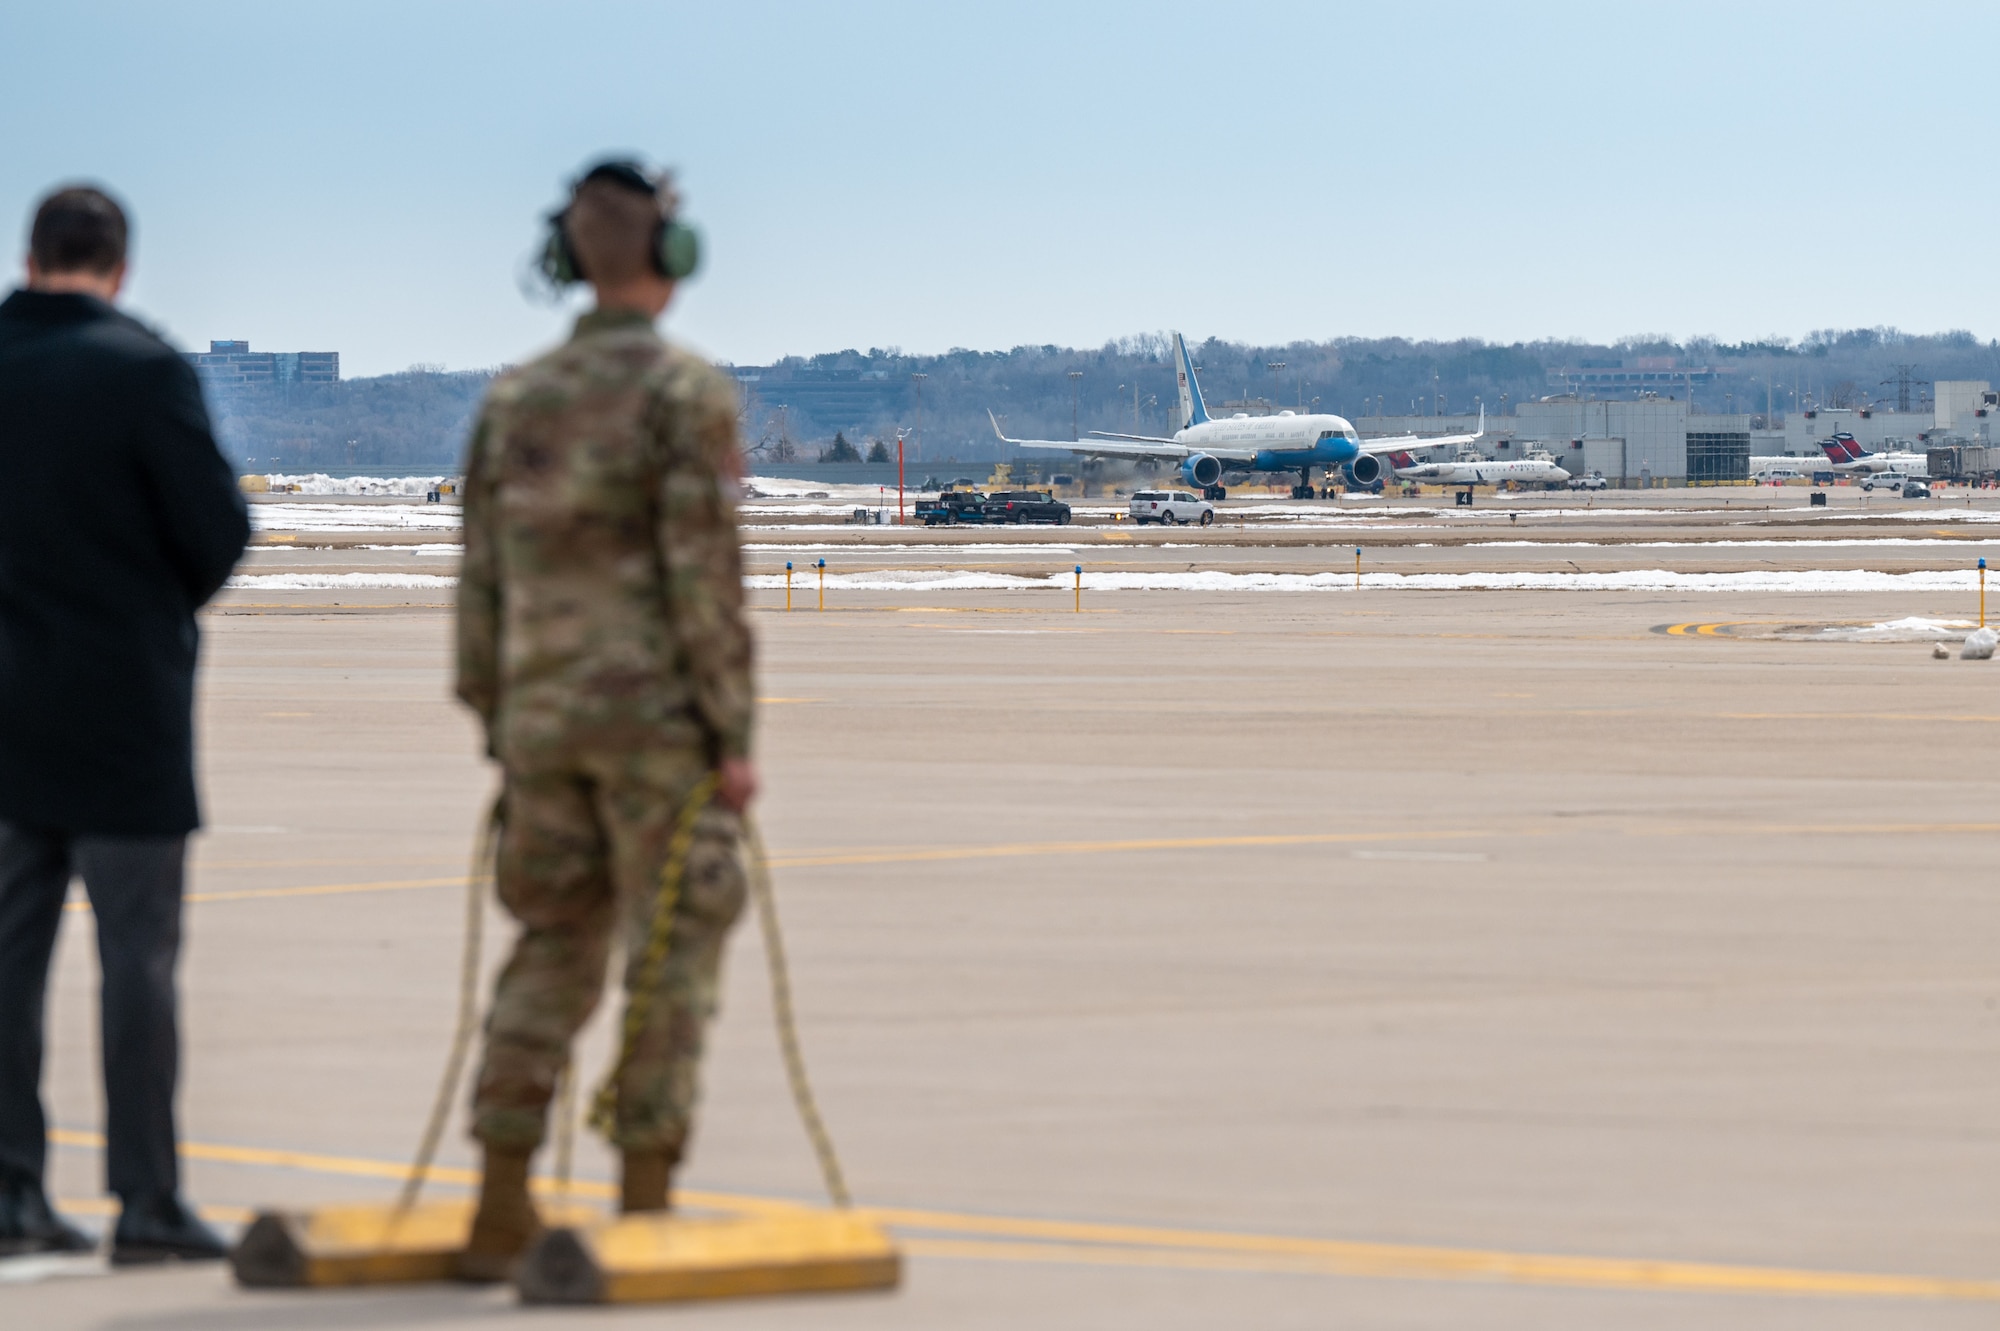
1404	442
1162	449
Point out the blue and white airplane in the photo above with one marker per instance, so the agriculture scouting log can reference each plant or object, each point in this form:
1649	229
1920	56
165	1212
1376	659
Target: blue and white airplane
1206	448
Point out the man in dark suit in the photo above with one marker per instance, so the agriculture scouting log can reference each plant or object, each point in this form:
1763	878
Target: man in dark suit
118	519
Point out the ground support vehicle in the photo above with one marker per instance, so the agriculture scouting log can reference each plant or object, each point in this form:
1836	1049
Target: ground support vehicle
1170	508
1594	481
1025	506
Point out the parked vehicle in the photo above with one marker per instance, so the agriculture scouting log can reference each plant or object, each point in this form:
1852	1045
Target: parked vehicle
1594	481
1884	481
952	506
1915	488
1025	506
1170	507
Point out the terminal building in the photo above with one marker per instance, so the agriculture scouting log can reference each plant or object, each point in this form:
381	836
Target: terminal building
234	365
1648	440
1643	441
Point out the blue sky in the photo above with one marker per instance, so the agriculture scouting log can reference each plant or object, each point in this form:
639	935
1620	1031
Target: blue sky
368	178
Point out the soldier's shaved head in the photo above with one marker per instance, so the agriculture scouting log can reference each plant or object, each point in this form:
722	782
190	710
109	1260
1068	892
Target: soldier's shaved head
611	227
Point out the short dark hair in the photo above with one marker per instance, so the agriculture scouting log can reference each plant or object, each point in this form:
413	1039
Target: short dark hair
78	228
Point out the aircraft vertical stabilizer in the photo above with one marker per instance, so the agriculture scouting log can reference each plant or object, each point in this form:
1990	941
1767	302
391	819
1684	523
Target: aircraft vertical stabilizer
1192	410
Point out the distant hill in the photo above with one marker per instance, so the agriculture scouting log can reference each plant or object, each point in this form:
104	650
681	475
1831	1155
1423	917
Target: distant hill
417	420
414	421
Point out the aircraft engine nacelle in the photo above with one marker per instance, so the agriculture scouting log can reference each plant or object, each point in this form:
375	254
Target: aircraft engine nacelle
1201	471
1365	472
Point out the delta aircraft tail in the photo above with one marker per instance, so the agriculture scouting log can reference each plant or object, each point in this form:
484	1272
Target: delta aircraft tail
1193	412
1841	449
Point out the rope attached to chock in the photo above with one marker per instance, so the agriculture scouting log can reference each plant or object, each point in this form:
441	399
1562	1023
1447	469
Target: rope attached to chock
781	1008
653	964
484	855
638	1008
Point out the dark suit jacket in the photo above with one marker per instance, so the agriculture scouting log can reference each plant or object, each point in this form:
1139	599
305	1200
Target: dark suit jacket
118	519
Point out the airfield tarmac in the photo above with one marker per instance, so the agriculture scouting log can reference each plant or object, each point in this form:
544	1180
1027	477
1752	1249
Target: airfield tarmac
1416	957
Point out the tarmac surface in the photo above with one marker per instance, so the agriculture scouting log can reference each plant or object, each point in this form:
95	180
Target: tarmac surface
1401	958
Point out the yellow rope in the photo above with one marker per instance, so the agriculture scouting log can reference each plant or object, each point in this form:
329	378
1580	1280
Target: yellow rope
653	964
476	878
638	1008
781	1008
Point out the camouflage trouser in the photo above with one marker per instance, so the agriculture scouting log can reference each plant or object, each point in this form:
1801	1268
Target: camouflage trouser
581	854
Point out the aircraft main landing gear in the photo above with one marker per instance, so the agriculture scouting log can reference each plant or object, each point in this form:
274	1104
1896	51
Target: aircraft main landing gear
1216	493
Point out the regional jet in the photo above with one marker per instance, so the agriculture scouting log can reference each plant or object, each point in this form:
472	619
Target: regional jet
1848	456
1205	448
1468	472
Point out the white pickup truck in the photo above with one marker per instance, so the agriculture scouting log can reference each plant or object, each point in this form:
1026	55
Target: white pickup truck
1169	507
1594	481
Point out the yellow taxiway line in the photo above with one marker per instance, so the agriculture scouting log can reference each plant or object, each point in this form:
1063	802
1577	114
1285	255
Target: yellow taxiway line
843	858
1084	1243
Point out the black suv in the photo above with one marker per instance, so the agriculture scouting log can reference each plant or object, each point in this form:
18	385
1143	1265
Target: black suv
953	506
1026	506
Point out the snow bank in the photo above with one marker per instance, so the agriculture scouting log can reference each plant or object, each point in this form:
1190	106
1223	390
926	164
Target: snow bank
1979	645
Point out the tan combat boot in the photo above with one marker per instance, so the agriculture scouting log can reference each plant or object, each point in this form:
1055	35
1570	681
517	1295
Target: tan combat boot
505	1223
644	1186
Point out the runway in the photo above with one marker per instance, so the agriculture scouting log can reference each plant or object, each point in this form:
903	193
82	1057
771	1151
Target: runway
1396	958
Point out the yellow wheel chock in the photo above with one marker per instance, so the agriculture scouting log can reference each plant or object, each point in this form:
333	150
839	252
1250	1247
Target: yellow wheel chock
669	1257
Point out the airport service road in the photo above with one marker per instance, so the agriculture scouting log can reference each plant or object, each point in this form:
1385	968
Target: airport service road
1406	959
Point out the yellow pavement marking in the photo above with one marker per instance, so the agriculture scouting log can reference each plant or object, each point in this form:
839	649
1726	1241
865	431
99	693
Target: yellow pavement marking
1094	1244
105	1206
202	865
867	855
315	890
1704	630
1397	1262
1013	850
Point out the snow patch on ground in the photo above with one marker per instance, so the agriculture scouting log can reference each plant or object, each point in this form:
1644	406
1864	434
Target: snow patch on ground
353	517
319	483
1802	544
1635	580
333	582
1917	625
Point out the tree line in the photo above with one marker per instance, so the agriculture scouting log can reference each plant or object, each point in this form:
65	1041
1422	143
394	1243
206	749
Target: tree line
849	406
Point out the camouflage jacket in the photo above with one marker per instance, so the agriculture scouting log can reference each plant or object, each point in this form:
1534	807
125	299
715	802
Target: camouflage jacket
600	607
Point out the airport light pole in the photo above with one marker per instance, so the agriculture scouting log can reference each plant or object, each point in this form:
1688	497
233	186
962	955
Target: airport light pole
1276	367
1075	387
917	377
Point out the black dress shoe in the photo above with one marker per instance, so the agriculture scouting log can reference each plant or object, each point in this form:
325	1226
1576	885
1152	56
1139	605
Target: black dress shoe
162	1229
29	1224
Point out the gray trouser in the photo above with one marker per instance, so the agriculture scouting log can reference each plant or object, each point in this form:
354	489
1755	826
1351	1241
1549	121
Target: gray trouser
135	892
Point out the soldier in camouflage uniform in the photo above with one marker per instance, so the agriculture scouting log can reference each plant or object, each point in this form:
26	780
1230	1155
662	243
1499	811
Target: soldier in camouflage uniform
601	639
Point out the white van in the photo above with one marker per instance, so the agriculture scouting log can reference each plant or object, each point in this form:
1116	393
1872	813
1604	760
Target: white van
1169	507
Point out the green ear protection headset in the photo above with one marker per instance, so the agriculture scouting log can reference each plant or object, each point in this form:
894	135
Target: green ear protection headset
676	247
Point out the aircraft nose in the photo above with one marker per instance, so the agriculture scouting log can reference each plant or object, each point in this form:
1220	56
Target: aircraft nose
1561	475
